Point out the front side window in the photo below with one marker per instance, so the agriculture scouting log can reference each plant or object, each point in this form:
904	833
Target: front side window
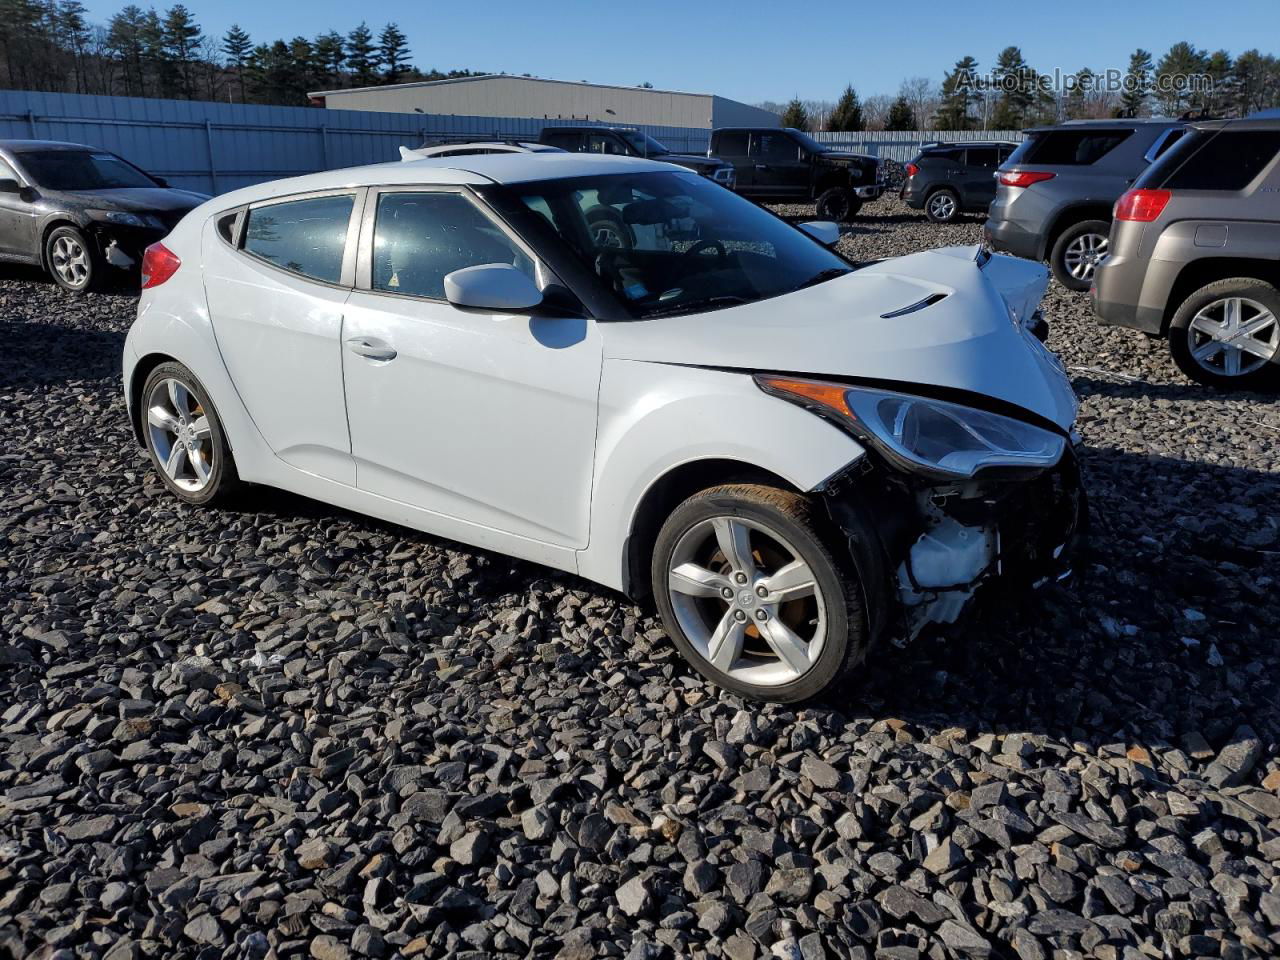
420	238
643	144
82	170
773	148
671	243
732	144
569	140
605	143
307	237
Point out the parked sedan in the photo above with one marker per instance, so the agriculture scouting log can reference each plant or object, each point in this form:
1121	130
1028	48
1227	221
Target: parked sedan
78	211
791	454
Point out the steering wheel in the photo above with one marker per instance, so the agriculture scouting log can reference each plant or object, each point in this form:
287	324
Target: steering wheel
702	245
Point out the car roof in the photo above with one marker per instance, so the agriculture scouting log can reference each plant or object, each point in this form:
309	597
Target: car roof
476	169
1110	124
497	146
28	146
1246	123
951	144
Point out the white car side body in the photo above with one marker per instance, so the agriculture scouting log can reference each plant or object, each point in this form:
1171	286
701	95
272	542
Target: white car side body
641	398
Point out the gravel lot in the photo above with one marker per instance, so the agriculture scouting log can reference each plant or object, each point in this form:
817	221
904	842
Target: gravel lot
289	731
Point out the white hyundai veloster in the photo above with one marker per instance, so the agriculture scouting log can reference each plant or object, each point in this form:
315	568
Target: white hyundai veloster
617	368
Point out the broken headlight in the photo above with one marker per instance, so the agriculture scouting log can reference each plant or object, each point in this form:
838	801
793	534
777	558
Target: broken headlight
925	435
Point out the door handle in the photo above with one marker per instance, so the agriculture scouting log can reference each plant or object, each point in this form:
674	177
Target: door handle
371	348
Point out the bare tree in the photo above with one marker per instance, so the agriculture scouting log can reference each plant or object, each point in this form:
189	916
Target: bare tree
922	93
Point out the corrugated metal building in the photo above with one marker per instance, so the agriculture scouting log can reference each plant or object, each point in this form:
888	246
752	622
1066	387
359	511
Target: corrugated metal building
534	98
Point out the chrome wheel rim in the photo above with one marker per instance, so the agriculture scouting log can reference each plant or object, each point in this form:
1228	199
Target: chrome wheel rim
70	261
942	206
747	602
1084	253
1233	337
180	435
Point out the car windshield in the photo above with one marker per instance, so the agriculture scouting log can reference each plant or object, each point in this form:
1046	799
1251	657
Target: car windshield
810	144
81	170
671	243
643	144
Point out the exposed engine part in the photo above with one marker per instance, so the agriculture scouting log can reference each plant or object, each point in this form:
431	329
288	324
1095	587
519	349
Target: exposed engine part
117	257
942	569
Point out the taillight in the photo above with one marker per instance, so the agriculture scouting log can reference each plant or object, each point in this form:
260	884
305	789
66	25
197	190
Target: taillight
912	169
1141	205
159	263
1024	178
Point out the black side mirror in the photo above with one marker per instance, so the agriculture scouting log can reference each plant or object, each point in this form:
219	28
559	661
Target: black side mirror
161	181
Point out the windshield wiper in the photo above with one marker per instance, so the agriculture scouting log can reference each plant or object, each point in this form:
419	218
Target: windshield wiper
722	300
822	276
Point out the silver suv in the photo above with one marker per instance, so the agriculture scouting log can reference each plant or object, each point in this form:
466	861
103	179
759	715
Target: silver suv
1054	193
1195	254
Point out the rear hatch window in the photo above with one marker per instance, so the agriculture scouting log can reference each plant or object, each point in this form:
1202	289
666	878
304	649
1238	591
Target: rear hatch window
1067	148
1214	160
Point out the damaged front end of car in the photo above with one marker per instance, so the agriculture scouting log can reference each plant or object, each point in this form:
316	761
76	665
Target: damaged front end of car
948	499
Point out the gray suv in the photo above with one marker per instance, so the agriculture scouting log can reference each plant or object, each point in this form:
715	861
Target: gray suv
1055	192
1195	254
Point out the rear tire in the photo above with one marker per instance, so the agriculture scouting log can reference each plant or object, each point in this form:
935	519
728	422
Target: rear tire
838	204
1078	251
184	437
755	596
942	206
1206	329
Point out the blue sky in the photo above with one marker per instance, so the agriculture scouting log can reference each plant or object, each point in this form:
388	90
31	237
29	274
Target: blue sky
752	50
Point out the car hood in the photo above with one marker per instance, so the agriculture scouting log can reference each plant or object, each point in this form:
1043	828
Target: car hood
139	199
971	337
691	160
847	155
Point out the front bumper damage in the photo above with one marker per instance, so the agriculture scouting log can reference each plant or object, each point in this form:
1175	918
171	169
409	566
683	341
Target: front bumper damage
122	246
924	551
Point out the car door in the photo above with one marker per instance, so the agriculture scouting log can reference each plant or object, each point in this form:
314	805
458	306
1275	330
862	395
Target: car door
779	164
276	295
486	418
978	182
732	148
18	218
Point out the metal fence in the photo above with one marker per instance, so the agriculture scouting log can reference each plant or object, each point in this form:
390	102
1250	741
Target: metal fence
216	147
903	145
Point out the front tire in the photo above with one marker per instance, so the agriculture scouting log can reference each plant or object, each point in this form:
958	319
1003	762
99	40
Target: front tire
943	206
70	260
838	204
185	438
1078	251
755	596
1227	334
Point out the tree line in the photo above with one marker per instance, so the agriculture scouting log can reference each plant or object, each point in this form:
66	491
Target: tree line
51	45
1013	94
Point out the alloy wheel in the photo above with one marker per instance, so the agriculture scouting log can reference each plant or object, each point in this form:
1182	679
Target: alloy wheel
747	601
180	435
942	206
70	261
1084	253
1233	336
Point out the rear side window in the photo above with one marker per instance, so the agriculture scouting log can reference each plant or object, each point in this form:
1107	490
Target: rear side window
983	157
567	140
732	144
419	238
307	237
1229	160
1069	148
952	155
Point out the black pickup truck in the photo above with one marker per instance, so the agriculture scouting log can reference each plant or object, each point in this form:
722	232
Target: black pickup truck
777	165
627	142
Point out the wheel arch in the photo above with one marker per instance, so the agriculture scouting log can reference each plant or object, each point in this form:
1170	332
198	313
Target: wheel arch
1206	270
670	490
1067	218
58	220
141	370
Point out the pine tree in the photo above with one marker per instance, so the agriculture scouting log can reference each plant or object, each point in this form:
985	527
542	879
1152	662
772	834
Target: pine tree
901	116
362	58
1254	81
74	33
331	54
393	48
795	115
236	47
1221	72
181	38
958	95
1137	85
1172	92
157	65
847	114
124	40
1017	90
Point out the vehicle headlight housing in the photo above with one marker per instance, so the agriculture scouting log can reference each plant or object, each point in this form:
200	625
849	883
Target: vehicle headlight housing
933	437
121	217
